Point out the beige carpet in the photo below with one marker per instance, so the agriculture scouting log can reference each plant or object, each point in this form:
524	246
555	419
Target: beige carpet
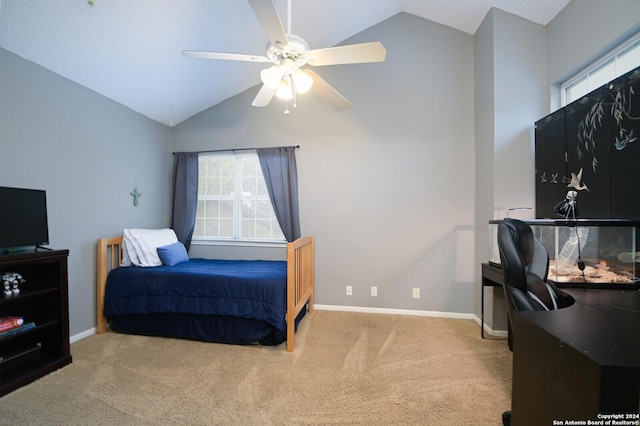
347	369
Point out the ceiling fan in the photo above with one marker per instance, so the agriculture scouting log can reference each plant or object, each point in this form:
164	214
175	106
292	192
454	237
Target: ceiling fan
289	53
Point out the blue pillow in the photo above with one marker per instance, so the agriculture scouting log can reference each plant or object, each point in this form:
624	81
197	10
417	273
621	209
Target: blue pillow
173	254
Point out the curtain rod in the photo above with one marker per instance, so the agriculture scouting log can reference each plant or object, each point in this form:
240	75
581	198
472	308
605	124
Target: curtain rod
238	149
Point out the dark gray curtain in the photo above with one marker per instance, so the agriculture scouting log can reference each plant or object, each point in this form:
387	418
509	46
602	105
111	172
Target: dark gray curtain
185	195
281	175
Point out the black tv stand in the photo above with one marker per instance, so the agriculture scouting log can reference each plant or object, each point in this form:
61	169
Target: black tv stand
30	353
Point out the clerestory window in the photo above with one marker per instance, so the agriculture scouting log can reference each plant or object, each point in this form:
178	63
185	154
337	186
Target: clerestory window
616	63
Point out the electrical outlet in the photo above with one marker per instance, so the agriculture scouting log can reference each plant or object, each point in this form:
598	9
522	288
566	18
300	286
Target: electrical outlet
349	290
416	293
374	291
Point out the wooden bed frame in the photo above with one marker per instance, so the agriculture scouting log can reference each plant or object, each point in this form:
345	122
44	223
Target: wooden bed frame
300	279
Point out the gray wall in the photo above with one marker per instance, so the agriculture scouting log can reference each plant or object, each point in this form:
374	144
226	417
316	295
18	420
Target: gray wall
386	187
510	97
87	152
484	108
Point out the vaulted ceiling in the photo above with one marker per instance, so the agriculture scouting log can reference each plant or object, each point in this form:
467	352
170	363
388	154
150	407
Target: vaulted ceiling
130	50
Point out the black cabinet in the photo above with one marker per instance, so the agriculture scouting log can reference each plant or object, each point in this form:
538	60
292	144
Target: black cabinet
551	162
592	146
27	355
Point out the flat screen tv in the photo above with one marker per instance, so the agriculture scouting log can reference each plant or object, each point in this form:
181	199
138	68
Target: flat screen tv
23	218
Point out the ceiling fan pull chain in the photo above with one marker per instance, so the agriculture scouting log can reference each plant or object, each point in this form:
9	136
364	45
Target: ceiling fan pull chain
295	94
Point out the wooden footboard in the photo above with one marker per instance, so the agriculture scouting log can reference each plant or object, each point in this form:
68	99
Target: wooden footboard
300	279
300	276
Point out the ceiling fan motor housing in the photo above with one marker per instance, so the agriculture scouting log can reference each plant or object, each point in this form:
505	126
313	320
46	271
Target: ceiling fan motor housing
293	50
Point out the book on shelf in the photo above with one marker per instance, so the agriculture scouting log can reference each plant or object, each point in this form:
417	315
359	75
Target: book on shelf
9	322
19	329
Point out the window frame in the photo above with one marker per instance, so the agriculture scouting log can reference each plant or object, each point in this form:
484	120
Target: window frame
237	240
631	43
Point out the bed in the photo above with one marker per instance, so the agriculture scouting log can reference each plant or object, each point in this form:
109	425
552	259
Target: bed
203	299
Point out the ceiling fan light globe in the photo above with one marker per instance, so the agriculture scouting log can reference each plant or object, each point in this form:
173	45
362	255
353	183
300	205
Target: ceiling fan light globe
302	81
271	76
284	91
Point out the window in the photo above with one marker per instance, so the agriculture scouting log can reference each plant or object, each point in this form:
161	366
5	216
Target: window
618	62
233	202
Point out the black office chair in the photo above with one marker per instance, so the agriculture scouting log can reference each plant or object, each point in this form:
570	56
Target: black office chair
525	264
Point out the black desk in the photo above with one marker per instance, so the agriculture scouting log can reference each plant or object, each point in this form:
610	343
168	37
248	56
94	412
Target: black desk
577	362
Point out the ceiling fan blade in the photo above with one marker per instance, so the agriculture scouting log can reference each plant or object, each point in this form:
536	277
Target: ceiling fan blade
226	56
264	96
328	93
350	54
267	14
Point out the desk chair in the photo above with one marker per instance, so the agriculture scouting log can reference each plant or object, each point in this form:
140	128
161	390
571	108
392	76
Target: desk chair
525	264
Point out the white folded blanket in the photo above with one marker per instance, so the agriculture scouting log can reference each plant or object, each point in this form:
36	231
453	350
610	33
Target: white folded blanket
140	246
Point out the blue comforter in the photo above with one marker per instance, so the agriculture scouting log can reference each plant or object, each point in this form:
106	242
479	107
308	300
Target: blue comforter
251	289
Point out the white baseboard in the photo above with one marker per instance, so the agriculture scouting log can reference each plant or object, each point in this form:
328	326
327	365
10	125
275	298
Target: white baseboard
369	310
491	332
82	335
436	314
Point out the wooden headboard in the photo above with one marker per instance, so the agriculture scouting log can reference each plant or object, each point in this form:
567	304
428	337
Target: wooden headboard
109	257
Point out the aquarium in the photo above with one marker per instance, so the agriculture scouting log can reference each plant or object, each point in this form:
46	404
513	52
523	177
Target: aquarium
591	253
